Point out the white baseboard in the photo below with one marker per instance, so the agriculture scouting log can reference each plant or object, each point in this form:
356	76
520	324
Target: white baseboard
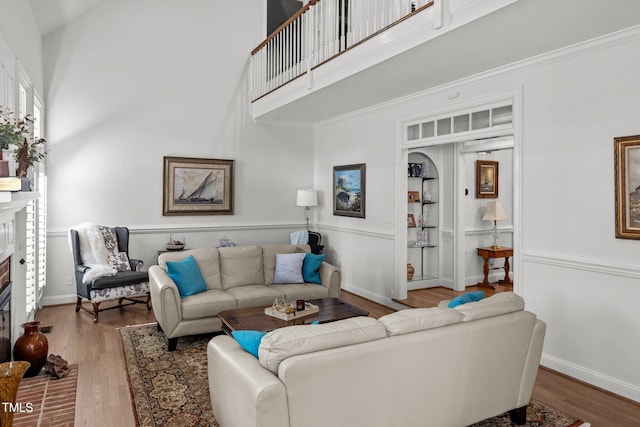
597	379
365	293
58	300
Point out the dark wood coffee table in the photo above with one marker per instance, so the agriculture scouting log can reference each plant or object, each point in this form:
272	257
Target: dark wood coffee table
254	319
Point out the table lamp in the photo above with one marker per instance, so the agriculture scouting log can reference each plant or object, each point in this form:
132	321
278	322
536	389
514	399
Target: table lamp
307	197
495	213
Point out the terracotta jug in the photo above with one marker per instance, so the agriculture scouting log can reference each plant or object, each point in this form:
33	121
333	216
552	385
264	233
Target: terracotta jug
32	346
410	271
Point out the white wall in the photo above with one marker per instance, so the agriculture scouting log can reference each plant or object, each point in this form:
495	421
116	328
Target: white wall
575	275
20	30
130	82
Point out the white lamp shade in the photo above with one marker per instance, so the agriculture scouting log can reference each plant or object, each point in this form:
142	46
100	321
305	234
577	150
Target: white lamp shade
494	212
307	197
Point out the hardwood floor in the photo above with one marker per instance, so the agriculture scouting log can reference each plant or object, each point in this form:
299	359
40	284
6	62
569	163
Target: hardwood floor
103	397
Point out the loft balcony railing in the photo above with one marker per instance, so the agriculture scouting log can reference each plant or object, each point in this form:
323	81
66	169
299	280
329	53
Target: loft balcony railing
317	33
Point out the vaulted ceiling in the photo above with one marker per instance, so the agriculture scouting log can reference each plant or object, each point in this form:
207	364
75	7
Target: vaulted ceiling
53	14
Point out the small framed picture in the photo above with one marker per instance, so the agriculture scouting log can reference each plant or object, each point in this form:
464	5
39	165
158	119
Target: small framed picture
486	179
415	170
627	186
411	220
414	197
349	190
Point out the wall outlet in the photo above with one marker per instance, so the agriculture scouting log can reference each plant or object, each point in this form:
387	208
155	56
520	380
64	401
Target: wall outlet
68	280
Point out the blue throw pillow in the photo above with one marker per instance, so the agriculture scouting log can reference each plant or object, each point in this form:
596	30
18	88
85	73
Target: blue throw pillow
187	276
249	340
465	298
311	267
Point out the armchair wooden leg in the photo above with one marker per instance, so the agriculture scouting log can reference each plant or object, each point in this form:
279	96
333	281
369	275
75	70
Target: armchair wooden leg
519	415
149	302
95	311
78	304
173	343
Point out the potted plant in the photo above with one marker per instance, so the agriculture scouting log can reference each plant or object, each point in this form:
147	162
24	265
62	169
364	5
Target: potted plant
18	135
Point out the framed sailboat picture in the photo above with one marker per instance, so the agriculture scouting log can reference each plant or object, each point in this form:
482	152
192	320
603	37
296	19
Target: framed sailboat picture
194	186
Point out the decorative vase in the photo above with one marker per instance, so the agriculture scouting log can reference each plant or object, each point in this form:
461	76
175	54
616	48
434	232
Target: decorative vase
32	346
10	376
410	271
4	165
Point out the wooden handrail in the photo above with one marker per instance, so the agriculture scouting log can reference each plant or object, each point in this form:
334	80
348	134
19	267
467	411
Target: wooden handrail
295	16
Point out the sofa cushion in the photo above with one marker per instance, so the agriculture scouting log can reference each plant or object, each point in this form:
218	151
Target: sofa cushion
289	268
207	304
241	266
311	268
269	253
249	340
208	261
304	291
465	298
419	319
187	277
500	303
289	341
254	295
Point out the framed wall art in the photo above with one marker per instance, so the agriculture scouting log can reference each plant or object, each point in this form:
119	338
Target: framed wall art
349	190
627	186
411	220
194	186
486	179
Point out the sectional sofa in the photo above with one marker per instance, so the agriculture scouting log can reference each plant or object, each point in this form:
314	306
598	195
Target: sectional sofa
236	277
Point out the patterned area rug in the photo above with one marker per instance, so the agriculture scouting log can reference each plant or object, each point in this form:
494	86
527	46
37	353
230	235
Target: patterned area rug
53	400
171	388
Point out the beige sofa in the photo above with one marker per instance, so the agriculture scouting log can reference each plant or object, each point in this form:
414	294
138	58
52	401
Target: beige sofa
417	367
236	277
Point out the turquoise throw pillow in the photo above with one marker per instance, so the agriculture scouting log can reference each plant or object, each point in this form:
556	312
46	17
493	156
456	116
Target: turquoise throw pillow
249	340
463	299
311	267
187	276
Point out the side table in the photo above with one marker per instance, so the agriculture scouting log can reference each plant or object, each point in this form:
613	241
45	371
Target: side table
500	252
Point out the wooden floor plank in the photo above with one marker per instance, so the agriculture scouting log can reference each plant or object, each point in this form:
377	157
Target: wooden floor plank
103	397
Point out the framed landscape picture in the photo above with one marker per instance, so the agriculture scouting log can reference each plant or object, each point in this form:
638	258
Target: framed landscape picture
486	179
349	190
194	186
627	186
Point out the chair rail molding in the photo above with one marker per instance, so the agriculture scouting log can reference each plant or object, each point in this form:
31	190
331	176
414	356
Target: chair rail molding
593	265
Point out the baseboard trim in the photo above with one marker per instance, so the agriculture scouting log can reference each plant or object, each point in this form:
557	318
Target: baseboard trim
58	300
365	293
592	378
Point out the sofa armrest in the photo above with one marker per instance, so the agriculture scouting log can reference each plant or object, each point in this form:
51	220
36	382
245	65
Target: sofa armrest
532	363
331	279
165	300
243	393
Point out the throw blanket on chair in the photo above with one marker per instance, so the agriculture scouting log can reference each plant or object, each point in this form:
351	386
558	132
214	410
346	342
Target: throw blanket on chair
99	252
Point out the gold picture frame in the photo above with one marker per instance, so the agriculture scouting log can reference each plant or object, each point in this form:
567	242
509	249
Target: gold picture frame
486	179
627	186
194	186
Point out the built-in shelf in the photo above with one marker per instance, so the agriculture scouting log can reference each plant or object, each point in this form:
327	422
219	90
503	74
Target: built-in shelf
422	238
